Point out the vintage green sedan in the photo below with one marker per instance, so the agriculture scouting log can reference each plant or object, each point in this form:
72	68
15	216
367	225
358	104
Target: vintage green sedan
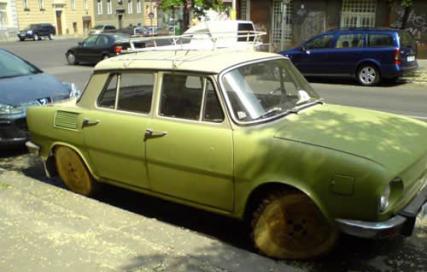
240	134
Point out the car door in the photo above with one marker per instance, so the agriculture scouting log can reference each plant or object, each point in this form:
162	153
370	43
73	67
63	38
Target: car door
313	59
347	54
85	51
102	47
114	131
189	143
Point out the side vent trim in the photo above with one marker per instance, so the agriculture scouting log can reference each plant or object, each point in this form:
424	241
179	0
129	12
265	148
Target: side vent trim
66	119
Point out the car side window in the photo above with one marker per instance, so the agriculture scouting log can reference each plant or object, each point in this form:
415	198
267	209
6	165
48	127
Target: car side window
107	99
380	40
322	42
90	41
349	41
212	108
136	92
102	41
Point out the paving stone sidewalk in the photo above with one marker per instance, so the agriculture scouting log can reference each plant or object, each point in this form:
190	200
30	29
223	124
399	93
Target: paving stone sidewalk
45	228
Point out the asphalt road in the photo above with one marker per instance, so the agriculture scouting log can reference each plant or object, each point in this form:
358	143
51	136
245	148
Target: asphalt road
351	254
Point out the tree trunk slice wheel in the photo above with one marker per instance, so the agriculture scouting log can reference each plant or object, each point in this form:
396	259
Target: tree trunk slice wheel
290	226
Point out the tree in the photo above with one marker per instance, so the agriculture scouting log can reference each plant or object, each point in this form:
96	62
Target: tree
407	5
198	7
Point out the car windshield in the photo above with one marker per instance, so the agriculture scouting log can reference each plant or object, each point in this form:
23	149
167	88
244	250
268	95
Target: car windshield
13	66
98	27
267	89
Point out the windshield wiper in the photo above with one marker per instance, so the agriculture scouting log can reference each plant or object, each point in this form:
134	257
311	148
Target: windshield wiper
306	105
275	110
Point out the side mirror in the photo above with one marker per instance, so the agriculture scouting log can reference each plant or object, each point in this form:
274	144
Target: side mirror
303	48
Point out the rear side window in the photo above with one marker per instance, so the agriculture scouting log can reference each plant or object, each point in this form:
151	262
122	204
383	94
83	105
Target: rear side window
380	40
245	28
135	92
350	41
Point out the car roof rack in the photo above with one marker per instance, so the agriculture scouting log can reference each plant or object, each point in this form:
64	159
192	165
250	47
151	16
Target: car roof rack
196	41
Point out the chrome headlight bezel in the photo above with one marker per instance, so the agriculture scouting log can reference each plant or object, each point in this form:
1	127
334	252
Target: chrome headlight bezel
390	194
384	202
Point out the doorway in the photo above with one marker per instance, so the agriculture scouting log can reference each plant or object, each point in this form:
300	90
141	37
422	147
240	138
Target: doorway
59	22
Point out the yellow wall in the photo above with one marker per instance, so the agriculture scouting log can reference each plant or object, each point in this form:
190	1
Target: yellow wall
48	15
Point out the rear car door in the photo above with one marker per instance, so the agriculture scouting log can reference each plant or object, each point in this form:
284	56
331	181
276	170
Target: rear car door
114	131
347	54
103	47
189	145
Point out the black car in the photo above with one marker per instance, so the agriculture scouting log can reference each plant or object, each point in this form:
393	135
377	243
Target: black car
21	85
37	31
97	47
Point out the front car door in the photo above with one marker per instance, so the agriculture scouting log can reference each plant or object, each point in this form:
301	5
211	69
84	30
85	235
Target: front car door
347	54
114	130
313	59
189	145
85	51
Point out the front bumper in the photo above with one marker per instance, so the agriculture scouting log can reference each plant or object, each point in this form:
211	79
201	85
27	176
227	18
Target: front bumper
402	223
13	131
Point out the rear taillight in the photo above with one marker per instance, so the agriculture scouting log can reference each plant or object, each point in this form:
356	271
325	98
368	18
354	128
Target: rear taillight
118	49
396	59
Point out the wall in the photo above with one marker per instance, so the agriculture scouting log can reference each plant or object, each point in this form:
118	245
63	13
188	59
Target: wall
134	18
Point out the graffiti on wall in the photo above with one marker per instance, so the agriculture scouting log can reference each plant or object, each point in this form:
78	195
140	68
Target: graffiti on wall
417	23
313	23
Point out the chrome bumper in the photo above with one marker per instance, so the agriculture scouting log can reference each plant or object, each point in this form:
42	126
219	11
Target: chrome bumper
402	223
33	148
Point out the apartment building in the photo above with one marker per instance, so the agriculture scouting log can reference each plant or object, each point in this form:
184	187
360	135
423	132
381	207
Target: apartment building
8	19
70	17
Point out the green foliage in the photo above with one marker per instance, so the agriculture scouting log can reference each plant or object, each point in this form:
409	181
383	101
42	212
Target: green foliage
407	3
199	6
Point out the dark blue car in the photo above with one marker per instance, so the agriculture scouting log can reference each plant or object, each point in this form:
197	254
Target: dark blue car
21	85
366	54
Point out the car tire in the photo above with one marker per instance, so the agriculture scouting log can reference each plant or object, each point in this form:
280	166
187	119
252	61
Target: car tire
50	36
73	172
36	37
368	75
71	58
288	225
21	39
105	56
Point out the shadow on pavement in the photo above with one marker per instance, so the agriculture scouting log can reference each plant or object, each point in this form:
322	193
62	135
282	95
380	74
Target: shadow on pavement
353	82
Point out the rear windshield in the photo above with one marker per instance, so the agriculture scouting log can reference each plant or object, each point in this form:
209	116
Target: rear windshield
380	40
406	39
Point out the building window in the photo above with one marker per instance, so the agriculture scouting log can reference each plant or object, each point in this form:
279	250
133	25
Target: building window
130	8
138	6
109	7
41	4
281	33
73	4
3	14
358	13
26	5
85	4
99	7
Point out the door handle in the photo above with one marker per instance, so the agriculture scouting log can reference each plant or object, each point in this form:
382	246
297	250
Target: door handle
150	133
88	123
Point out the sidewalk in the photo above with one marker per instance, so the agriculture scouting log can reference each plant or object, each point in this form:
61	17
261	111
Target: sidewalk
45	228
420	76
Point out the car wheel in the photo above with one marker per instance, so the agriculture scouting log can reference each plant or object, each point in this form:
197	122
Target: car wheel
73	172
50	36
36	37
71	58
288	225
104	57
368	75
21	39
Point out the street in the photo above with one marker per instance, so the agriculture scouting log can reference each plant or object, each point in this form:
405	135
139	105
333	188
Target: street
204	241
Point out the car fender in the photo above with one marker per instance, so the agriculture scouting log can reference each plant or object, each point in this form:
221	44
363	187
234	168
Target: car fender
368	60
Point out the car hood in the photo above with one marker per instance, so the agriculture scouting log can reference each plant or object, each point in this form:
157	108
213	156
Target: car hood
393	141
23	89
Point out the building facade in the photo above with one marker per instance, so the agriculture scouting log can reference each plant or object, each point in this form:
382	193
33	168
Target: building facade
124	13
70	17
8	19
290	22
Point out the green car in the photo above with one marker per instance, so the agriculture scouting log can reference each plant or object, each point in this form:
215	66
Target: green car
240	134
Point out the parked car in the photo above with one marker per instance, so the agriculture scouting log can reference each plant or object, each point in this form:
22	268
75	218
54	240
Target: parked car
366	54
21	85
97	47
36	32
101	29
239	133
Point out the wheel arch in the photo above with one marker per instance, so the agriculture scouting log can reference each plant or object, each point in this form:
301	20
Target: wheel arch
373	62
51	165
261	190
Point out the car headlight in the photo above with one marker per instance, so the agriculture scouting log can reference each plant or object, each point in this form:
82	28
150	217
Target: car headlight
385	199
11	111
